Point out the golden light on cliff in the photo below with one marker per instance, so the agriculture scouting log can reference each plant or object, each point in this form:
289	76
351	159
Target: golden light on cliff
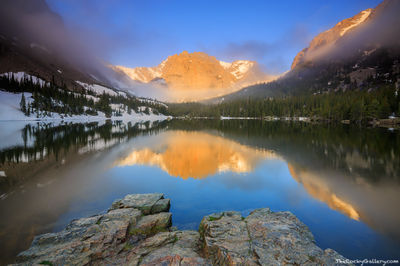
319	190
197	155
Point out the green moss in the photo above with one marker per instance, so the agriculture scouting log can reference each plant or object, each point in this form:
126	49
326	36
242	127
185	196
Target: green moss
212	218
248	234
135	231
312	258
128	246
46	262
243	218
201	229
176	238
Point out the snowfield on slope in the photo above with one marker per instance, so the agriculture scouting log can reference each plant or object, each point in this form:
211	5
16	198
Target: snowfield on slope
20	76
98	89
10	111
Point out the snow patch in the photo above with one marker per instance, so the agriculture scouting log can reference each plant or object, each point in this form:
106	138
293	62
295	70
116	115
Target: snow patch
98	89
364	15
240	67
150	101
10	111
20	76
225	65
94	77
41	47
123	94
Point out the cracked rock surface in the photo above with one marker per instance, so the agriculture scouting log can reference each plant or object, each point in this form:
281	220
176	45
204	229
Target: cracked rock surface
262	238
137	231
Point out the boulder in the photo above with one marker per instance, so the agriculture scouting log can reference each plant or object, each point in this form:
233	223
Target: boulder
262	238
137	231
147	203
152	224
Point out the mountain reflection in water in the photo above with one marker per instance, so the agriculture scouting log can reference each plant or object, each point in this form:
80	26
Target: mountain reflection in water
197	155
321	191
342	182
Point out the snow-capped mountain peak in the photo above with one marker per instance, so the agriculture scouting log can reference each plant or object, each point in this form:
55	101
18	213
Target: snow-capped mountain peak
240	68
225	65
192	71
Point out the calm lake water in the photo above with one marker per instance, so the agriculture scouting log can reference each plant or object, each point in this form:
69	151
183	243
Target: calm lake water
342	182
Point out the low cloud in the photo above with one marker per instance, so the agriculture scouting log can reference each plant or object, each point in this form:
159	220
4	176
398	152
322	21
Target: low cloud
274	57
33	22
250	50
381	29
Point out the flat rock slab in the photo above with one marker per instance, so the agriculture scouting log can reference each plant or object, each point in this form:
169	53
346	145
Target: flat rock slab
137	231
147	203
262	238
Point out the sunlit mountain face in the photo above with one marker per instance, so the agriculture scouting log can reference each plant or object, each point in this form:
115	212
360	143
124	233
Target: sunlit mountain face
318	189
196	76
197	155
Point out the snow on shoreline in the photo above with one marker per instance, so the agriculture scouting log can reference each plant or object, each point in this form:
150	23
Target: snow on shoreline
12	120
10	111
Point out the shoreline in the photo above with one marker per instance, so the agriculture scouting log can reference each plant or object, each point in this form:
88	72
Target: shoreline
383	123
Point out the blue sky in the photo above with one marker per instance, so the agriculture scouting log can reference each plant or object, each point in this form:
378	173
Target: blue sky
143	33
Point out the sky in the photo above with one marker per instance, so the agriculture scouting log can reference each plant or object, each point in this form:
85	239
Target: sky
143	33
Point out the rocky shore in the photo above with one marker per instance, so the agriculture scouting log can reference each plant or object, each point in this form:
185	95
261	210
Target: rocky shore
137	230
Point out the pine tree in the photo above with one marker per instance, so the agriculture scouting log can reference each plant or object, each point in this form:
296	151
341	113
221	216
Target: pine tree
28	110
22	104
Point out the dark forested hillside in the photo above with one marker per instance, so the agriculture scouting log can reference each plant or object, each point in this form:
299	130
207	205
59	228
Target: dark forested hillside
356	106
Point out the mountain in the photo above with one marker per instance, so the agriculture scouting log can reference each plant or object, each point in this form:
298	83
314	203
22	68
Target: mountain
57	54
358	53
196	71
50	54
47	73
370	29
330	36
34	40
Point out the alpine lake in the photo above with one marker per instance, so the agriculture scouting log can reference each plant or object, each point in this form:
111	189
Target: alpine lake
342	181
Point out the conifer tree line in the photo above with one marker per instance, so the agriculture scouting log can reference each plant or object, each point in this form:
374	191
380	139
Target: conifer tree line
330	91
50	97
356	106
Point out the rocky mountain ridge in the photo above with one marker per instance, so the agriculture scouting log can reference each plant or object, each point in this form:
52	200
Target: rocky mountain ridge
345	30
358	53
198	70
329	37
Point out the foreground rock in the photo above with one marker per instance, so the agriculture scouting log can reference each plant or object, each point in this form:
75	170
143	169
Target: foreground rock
264	237
137	231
